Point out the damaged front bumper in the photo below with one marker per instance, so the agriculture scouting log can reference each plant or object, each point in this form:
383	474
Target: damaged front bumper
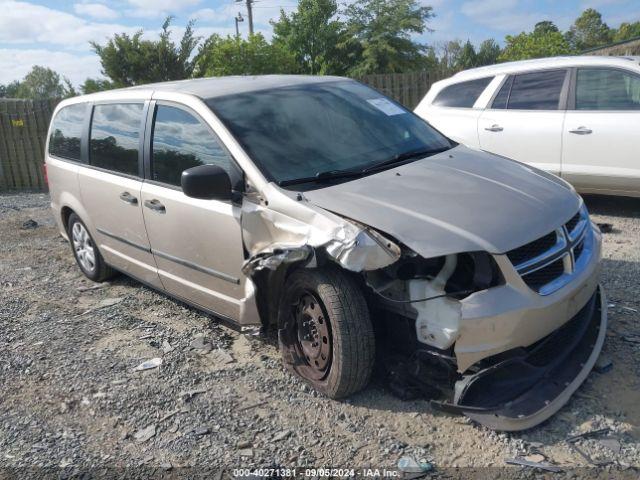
530	385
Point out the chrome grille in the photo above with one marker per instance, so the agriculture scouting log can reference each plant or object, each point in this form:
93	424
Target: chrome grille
573	223
532	249
543	276
546	264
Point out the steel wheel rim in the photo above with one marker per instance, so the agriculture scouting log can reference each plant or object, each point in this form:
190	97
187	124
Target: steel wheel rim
313	336
83	247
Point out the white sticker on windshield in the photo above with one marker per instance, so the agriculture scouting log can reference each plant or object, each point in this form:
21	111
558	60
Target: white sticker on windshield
386	106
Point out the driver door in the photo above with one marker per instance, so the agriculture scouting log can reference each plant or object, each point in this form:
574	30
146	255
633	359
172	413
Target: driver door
197	244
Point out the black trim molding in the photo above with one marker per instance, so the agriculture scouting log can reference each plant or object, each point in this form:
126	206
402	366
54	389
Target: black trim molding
199	268
166	256
124	240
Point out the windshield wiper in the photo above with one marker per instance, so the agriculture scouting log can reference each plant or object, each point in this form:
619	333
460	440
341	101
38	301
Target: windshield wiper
401	157
346	173
322	176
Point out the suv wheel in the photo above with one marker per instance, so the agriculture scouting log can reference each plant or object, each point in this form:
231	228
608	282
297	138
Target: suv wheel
86	251
325	332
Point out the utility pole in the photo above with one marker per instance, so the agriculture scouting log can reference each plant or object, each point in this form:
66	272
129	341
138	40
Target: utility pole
249	14
238	19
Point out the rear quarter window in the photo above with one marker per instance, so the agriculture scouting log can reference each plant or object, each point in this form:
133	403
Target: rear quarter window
463	94
66	132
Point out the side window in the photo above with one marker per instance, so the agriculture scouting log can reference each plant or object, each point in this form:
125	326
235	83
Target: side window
607	89
181	141
462	95
115	136
502	97
66	131
537	90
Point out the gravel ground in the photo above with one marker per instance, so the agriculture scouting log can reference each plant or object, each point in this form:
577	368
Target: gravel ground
71	400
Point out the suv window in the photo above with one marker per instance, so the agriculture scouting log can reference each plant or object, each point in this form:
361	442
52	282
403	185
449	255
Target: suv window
607	89
66	131
501	99
537	90
115	137
181	141
462	95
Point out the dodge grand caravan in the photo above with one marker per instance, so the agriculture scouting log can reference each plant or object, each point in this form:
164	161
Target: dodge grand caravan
321	209
577	117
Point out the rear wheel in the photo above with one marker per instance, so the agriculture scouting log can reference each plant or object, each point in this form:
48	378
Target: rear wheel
86	251
325	332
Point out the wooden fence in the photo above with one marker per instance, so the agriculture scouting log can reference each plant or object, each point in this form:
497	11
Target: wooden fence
405	88
24	124
23	131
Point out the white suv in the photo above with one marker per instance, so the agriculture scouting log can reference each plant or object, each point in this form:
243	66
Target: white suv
577	117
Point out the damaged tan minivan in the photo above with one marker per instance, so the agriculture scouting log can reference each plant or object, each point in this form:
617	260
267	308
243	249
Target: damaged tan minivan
320	208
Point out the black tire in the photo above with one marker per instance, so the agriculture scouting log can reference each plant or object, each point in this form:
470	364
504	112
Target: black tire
349	363
99	271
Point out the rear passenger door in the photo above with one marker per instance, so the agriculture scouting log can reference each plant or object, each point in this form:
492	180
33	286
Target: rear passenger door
110	188
452	110
197	243
524	120
601	138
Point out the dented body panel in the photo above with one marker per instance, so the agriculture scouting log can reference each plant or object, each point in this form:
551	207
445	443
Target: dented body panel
275	230
512	315
457	201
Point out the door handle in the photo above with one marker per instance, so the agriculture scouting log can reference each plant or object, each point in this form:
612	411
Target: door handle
155	205
128	198
581	131
494	128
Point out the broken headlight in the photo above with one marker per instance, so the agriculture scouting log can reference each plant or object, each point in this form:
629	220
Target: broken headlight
455	276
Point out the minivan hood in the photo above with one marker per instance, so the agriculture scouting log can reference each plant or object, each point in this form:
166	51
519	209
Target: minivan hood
457	201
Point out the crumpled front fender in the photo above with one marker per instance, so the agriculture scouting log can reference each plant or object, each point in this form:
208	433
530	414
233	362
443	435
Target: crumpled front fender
288	230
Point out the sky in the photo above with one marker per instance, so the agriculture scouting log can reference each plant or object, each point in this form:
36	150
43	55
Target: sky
56	34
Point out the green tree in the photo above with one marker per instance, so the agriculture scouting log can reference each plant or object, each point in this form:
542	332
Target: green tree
468	57
544	41
129	60
626	31
235	56
588	31
10	90
545	27
488	53
42	83
313	35
381	32
450	55
92	85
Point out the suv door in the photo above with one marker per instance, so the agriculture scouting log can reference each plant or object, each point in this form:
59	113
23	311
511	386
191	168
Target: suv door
197	244
601	141
524	120
110	188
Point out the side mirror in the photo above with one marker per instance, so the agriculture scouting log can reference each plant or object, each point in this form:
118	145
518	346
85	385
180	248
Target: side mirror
206	182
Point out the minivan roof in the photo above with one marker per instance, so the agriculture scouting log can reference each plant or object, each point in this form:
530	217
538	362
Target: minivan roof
213	87
550	62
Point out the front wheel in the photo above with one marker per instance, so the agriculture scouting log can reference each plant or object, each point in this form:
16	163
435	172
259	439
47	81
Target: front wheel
325	332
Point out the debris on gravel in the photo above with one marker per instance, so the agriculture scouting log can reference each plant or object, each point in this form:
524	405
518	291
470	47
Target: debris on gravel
70	398
29	224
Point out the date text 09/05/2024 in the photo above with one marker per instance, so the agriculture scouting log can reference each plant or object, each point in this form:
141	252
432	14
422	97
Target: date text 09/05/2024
316	472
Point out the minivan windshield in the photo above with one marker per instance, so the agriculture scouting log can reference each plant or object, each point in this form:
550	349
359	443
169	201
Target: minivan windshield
314	132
